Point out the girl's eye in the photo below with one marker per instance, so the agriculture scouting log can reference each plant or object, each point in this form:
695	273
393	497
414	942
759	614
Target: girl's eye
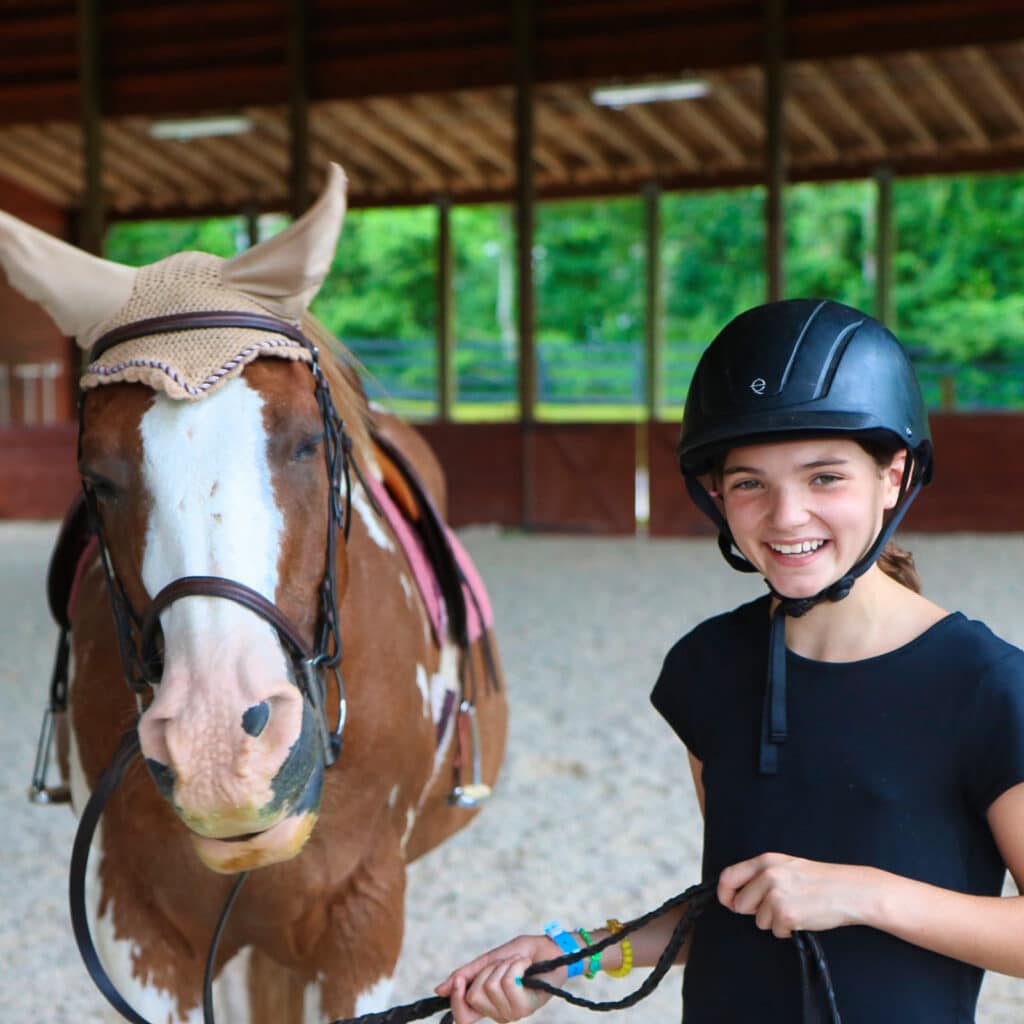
825	479
746	485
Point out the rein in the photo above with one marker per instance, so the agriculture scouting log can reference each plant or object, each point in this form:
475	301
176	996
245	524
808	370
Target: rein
818	996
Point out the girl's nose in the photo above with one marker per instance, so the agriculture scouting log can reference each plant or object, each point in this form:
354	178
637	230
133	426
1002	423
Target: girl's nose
788	509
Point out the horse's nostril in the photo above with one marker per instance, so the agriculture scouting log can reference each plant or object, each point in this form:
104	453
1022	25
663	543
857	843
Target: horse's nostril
163	776
254	721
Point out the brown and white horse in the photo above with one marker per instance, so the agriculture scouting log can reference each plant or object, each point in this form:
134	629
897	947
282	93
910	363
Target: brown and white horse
233	485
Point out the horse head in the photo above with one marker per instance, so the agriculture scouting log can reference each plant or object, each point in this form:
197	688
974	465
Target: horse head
202	461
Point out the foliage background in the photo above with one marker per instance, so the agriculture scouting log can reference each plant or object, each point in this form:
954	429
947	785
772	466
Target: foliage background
959	283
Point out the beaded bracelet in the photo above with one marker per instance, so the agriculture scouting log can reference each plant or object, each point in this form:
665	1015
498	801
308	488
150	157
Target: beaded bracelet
594	962
627	952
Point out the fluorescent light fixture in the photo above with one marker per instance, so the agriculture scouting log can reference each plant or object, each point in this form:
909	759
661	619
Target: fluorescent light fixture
200	127
650	92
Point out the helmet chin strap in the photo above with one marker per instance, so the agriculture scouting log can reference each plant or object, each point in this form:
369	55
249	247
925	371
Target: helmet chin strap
774	724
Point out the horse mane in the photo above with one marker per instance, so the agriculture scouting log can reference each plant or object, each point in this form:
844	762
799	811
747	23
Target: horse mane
343	372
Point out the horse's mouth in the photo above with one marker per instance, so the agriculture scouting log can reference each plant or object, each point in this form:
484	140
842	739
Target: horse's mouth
253	850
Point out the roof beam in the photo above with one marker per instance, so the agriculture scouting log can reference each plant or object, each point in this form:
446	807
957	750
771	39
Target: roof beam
826	86
603	128
938	85
419	130
653	126
501	120
724	92
798	116
694	113
998	84
879	79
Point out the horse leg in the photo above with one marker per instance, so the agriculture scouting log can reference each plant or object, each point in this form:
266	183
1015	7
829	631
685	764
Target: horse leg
358	953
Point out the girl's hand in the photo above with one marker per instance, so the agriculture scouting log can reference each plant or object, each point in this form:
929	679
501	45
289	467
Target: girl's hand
486	987
786	894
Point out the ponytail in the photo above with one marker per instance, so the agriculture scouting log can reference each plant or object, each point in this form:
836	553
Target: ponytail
899	565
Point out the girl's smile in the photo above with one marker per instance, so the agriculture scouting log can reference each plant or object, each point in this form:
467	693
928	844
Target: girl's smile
804	512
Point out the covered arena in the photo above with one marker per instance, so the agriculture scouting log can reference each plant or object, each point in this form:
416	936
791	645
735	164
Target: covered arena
442	104
593	815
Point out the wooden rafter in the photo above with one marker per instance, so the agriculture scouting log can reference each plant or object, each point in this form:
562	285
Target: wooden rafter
998	85
693	113
602	128
387	167
446	115
939	87
876	75
847	111
564	131
499	119
419	130
423	169
804	122
726	95
652	125
42	184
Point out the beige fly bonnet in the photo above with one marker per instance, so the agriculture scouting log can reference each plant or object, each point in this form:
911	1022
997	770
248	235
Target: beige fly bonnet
88	297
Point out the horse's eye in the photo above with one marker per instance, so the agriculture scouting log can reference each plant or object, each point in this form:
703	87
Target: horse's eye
104	489
308	447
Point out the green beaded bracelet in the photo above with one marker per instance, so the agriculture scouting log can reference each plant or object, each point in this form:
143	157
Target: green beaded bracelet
594	962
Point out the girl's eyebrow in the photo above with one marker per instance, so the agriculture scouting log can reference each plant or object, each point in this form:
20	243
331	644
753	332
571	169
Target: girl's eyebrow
815	464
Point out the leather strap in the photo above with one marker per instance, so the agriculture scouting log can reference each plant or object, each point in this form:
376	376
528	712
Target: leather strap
194	321
230	590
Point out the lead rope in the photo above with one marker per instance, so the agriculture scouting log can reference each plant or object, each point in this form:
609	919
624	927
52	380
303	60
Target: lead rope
819	1002
816	984
87	825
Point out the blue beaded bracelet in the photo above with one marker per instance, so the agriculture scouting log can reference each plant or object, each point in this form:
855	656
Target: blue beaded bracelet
566	943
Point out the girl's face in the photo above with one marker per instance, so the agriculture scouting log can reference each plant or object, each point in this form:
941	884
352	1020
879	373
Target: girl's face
804	512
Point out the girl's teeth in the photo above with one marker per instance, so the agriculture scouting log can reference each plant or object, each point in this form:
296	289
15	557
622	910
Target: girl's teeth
797	549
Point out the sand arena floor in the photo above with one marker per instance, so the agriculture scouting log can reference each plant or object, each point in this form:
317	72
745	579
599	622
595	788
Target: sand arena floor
594	815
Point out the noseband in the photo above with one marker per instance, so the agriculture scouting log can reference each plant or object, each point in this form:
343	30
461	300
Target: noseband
141	658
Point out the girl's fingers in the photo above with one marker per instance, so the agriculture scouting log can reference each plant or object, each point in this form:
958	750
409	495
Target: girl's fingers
462	1013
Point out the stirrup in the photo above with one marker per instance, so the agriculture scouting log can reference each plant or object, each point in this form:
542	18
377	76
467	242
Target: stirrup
39	792
476	792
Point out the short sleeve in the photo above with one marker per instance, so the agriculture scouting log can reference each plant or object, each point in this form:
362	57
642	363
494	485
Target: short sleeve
672	696
995	732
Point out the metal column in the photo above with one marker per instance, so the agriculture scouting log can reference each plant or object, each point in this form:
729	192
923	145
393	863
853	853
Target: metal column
653	308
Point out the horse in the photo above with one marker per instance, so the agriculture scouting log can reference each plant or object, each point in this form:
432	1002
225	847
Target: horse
243	546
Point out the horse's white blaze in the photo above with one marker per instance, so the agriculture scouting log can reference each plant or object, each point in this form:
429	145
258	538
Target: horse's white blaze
361	505
213	514
376	998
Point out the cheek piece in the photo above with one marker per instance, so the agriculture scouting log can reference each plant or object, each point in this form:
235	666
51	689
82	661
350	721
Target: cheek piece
774	726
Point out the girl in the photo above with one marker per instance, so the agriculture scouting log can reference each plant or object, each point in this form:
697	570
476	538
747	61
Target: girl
857	751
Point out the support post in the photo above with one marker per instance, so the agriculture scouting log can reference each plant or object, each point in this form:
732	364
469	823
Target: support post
523	30
775	143
92	221
298	107
885	246
446	382
652	325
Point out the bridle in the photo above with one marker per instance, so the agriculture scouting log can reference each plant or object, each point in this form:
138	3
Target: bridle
138	636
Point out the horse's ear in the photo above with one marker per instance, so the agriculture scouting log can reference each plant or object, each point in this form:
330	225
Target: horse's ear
286	271
76	289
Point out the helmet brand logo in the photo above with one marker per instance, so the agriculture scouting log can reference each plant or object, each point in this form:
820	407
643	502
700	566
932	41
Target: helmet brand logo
758	385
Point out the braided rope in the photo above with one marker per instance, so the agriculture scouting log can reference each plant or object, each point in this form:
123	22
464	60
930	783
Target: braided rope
696	898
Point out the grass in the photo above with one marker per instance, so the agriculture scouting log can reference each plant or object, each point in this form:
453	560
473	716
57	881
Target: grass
549	412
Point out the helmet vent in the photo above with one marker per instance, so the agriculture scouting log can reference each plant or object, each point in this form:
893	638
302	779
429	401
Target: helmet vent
831	362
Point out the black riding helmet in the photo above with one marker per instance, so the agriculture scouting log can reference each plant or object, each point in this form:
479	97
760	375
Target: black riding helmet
791	369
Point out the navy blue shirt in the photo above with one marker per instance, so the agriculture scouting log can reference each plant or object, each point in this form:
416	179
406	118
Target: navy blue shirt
891	762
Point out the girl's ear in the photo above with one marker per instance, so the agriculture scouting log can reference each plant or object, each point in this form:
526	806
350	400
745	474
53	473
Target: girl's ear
892	477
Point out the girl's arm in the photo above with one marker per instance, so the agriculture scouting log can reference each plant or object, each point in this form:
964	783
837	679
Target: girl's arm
787	893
